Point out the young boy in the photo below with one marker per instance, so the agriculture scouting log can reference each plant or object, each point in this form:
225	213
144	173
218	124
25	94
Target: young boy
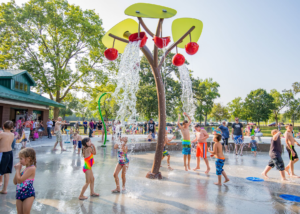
290	144
165	153
6	154
218	153
78	138
150	138
186	142
201	140
275	155
253	144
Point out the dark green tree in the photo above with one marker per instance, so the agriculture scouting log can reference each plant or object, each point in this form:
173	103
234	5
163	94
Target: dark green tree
281	100
45	37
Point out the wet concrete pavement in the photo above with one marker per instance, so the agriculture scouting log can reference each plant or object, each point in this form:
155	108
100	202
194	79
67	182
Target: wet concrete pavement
59	179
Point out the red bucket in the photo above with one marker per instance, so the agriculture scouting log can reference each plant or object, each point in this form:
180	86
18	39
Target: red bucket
143	38
178	59
161	42
111	54
191	48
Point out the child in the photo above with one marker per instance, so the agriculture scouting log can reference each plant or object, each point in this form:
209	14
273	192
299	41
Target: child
165	153
88	151
35	134
22	139
275	155
218	153
253	144
74	141
71	134
6	163
123	164
78	138
150	138
186	142
201	138
24	180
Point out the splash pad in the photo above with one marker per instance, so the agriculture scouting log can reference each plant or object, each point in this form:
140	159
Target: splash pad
130	29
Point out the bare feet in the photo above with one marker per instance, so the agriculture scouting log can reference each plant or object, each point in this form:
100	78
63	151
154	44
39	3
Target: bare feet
95	194
54	149
207	171
185	168
218	184
287	169
170	168
284	179
196	168
226	180
189	168
82	197
123	189
116	190
265	175
295	176
3	192
63	150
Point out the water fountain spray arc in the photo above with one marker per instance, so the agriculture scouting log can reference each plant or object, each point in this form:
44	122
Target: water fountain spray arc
185	31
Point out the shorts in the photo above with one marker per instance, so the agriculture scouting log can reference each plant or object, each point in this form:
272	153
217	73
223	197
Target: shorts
153	135
6	162
238	139
201	150
219	166
253	149
290	154
79	145
99	128
52	128
186	147
58	136
149	140
278	162
225	141
165	153
74	142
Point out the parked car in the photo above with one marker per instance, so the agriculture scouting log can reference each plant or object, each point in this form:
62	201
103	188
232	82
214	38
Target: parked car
272	124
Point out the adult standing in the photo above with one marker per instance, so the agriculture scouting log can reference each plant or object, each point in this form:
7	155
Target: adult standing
59	123
85	124
49	127
53	126
237	135
95	126
77	126
225	135
91	127
152	128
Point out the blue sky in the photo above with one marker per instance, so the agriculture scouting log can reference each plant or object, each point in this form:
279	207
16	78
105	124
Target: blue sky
245	45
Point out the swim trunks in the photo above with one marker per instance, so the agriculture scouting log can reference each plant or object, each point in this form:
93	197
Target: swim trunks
88	163
219	166
58	136
278	162
201	150
165	152
238	139
79	145
186	147
253	149
290	153
25	190
74	142
149	140
6	162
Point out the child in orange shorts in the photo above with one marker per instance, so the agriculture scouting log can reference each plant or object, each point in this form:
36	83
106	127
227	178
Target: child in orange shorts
201	149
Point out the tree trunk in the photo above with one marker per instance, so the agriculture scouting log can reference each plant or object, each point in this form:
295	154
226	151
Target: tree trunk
205	119
56	112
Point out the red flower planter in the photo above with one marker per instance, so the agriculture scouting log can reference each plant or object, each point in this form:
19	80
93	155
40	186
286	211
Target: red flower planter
161	42
178	60
191	48
143	38
111	54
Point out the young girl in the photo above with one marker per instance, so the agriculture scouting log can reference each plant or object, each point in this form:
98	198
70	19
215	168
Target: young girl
88	151
24	180
35	135
123	163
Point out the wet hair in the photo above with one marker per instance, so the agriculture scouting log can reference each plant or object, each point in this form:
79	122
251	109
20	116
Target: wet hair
85	141
288	124
185	121
274	131
252	137
8	125
218	136
28	153
197	125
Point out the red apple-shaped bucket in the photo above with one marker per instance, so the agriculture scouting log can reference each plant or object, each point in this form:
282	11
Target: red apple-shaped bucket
135	37
191	48
111	54
178	60
161	42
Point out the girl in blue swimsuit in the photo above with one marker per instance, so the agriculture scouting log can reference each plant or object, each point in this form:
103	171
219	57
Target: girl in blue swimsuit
25	193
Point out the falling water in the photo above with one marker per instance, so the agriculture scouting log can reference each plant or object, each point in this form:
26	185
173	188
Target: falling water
128	82
187	96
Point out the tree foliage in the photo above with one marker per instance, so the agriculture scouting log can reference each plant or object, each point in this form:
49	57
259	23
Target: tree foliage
219	112
281	100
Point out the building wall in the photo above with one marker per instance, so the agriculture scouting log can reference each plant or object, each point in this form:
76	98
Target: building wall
6	114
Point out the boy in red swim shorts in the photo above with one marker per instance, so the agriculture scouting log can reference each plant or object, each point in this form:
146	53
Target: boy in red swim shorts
201	149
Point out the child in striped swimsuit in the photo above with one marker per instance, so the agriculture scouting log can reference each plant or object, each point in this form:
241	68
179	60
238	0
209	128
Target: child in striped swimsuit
25	193
123	164
88	151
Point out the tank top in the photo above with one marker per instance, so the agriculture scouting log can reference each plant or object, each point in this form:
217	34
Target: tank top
275	148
